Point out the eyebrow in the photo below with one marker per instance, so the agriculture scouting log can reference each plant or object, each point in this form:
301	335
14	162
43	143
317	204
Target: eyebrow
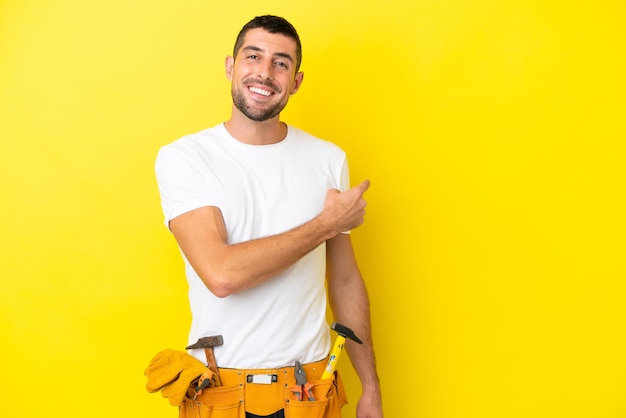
277	54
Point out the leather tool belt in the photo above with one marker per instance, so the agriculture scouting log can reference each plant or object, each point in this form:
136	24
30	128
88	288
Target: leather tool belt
265	391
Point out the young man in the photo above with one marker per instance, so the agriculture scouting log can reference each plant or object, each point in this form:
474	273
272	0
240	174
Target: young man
261	212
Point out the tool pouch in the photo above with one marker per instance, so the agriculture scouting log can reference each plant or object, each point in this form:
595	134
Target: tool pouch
215	402
330	398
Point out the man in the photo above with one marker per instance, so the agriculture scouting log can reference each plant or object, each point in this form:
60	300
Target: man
256	209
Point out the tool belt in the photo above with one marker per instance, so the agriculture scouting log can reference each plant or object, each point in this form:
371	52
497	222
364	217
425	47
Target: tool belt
265	391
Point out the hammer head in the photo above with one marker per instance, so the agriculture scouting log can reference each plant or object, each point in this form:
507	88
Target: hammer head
207	342
345	332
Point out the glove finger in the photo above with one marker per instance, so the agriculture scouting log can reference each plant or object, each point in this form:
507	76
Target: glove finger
176	391
165	367
162	358
177	360
160	379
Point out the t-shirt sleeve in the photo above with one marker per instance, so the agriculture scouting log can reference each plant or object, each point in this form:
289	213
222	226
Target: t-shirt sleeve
344	181
182	182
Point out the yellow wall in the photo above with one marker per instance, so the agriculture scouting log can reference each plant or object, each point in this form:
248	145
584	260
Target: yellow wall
492	132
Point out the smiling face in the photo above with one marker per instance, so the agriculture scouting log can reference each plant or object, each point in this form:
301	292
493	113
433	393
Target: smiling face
263	74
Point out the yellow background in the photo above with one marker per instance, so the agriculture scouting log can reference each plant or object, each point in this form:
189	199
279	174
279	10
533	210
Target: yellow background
493	249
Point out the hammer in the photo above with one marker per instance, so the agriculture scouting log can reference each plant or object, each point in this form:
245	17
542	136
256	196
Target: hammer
208	343
344	332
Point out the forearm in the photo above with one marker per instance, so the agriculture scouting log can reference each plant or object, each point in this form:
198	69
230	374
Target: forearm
244	265
353	311
350	305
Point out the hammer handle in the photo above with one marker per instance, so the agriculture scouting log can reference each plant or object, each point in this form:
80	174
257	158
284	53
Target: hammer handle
334	356
211	362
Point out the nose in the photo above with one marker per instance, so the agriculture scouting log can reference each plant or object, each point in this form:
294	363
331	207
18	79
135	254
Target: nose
266	71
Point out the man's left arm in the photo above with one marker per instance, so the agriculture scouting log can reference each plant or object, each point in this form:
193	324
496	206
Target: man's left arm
350	305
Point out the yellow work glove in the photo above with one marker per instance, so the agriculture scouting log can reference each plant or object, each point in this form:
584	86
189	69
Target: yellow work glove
173	372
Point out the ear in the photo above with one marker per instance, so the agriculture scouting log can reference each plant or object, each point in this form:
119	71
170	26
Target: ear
230	63
297	82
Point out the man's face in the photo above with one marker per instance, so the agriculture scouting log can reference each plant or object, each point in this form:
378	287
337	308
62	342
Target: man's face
263	74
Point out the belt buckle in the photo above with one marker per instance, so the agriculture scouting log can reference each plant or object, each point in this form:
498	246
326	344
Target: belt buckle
262	379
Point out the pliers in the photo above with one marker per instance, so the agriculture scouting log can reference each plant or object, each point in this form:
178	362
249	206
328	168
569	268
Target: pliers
302	385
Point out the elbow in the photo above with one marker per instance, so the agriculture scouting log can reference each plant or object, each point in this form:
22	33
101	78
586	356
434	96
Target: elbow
221	285
225	279
220	292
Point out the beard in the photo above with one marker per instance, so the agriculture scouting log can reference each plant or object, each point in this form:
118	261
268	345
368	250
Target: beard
257	115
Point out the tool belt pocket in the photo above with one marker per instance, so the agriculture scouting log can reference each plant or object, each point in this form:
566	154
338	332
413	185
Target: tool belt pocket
330	397
215	402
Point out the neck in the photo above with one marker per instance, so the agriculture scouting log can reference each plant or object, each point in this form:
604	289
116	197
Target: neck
252	132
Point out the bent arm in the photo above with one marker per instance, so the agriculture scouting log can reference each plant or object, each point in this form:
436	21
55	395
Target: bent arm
349	302
229	268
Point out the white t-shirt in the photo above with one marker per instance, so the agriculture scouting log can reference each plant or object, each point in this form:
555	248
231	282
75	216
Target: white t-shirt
260	190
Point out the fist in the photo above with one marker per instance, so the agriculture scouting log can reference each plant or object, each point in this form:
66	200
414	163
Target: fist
346	210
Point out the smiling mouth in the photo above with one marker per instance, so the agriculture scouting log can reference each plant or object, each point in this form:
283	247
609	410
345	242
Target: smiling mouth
260	91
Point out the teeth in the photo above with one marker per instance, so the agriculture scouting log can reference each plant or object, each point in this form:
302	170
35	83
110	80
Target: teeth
260	91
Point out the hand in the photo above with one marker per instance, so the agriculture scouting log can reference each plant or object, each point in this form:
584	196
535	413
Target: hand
346	210
369	406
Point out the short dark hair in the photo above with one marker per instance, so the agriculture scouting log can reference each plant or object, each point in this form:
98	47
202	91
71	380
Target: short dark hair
272	24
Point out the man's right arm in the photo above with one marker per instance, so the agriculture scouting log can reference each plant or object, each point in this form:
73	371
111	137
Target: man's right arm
230	268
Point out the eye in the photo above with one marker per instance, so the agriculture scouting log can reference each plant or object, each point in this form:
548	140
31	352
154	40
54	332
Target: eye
282	64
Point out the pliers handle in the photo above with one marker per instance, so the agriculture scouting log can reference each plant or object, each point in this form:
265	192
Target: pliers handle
302	387
307	389
297	391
